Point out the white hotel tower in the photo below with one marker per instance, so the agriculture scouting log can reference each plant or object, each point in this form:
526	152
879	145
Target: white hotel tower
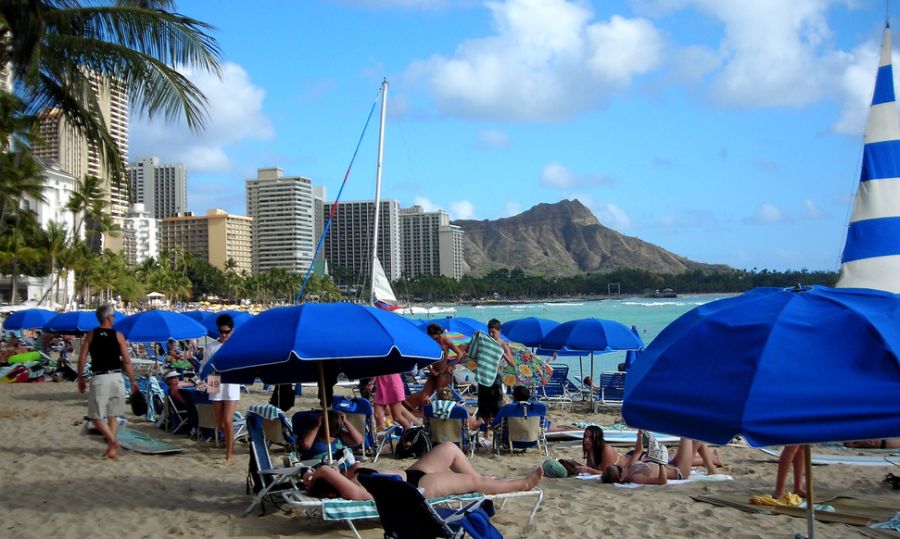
283	221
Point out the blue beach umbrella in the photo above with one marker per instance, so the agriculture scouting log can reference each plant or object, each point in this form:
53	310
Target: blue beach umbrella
198	316
529	331
212	329
75	322
632	355
778	366
288	344
28	319
159	326
593	336
460	324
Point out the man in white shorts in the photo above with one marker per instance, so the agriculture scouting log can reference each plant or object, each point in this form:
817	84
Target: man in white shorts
109	358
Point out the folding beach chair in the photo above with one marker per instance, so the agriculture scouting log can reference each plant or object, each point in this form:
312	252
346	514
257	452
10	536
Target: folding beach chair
520	425
179	417
406	514
276	428
359	413
452	426
266	481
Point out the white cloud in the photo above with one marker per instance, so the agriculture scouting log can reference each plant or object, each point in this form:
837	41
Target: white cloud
513	208
558	176
234	114
768	214
613	216
545	61
492	138
462	209
426	204
856	88
813	211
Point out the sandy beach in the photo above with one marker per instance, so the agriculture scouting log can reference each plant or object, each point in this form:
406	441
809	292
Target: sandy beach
55	483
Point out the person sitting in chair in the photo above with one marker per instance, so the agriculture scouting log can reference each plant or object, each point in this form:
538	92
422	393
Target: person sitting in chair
443	471
314	444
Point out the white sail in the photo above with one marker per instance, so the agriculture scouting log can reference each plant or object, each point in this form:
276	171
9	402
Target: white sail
382	293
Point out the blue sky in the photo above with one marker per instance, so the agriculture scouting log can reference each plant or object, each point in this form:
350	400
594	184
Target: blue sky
725	131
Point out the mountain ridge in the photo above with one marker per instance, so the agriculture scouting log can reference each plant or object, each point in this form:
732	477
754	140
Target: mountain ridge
562	239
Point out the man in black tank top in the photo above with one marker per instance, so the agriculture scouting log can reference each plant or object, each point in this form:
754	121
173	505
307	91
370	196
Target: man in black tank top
109	358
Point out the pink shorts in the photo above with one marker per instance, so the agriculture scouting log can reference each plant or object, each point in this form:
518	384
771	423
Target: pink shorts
389	389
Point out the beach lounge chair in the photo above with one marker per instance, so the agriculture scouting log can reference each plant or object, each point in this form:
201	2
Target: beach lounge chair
337	509
359	413
178	417
276	428
557	390
453	426
406	514
612	388
520	425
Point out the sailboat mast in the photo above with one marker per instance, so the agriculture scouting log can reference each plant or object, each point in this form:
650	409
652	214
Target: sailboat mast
384	90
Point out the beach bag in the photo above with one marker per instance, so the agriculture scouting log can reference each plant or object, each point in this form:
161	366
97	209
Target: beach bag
138	403
414	443
283	397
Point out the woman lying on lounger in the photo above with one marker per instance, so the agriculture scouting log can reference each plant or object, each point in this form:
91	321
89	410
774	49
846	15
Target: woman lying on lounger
443	471
653	472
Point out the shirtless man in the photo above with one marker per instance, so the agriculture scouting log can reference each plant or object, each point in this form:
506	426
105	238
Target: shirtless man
633	470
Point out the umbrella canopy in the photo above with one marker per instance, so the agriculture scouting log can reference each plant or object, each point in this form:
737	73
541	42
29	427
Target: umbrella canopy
632	355
592	335
75	322
159	326
28	319
198	316
777	366
283	345
461	324
212	329
529	331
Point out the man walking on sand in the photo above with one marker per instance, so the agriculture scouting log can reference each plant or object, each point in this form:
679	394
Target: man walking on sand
109	357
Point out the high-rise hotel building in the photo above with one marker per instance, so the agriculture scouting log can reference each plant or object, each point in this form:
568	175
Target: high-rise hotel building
283	222
162	189
63	146
348	245
430	245
216	237
140	235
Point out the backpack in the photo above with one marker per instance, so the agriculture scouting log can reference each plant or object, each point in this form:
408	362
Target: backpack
414	443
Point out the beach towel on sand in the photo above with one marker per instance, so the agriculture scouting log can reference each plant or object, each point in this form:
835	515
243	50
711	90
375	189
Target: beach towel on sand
695	476
487	353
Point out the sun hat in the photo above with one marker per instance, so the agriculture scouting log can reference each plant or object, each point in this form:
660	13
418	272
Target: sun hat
553	468
172	374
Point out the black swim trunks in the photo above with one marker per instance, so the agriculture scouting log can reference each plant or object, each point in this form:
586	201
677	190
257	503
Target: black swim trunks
414	476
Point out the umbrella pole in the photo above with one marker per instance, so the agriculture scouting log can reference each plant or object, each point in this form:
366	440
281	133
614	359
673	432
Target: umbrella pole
810	505
593	401
324	409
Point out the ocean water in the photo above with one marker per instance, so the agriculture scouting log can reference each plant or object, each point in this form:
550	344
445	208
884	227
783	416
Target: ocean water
649	315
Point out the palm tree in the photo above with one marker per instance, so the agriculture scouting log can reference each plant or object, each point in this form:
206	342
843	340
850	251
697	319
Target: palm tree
54	48
20	176
87	203
57	243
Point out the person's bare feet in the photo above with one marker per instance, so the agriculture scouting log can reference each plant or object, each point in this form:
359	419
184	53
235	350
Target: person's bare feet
112	450
534	478
230	460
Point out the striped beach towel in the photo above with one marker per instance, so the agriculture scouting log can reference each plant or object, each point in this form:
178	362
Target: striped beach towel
487	353
266	411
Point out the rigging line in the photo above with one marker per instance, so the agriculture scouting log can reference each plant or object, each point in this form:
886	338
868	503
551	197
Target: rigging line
336	202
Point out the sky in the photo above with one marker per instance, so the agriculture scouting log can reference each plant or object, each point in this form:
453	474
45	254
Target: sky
729	132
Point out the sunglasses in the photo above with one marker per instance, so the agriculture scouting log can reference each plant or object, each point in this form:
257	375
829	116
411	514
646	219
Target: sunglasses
225	331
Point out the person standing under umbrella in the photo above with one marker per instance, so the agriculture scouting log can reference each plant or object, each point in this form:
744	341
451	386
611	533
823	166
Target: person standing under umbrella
490	395
225	400
109	357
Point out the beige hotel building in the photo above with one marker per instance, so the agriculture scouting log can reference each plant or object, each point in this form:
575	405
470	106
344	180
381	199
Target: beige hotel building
216	237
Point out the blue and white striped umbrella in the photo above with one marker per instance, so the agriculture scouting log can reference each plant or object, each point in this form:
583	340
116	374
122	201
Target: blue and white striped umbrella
871	256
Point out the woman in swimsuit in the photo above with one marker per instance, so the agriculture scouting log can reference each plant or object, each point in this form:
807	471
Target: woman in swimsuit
441	371
598	455
634	470
443	471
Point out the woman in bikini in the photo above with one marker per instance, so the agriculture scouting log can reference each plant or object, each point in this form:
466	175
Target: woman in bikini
598	455
443	471
441	371
634	470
